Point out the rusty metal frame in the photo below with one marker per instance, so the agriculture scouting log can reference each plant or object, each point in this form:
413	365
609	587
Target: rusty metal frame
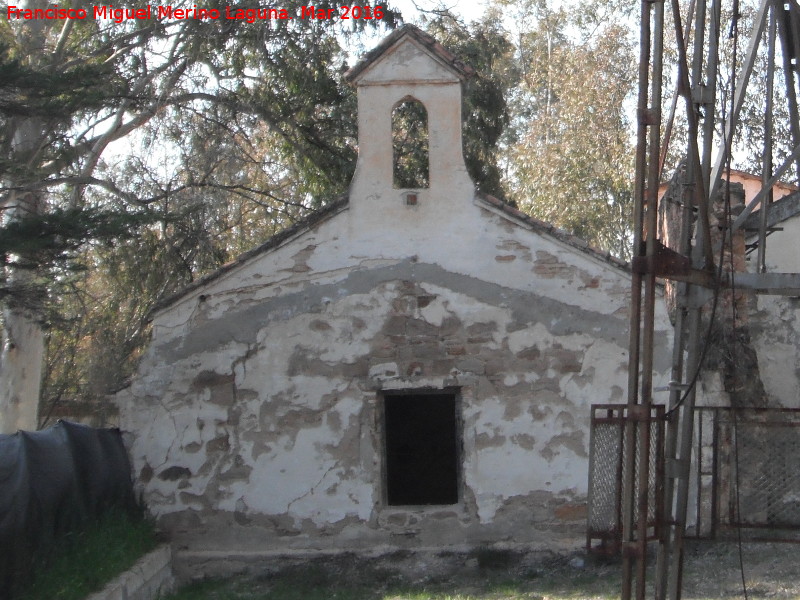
618	416
711	494
693	264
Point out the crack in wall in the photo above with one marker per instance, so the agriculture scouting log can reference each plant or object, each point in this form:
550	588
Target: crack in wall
314	487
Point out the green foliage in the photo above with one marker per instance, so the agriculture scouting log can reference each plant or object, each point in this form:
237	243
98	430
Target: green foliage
53	94
48	245
104	319
570	147
484	46
85	561
410	163
41	239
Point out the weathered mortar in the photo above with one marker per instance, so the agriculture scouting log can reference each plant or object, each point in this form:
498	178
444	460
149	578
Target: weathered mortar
298	405
257	418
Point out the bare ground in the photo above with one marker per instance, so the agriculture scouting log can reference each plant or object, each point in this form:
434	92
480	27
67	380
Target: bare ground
712	570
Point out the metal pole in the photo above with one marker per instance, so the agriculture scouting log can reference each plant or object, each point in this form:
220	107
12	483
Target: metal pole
682	463
788	73
644	121
766	172
738	100
709	119
648	321
664	558
674	102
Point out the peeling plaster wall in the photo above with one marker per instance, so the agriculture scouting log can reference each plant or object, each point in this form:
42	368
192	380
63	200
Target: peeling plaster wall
775	324
255	422
257	410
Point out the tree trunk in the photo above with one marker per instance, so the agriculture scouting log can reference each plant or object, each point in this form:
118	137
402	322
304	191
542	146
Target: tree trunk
22	350
21	335
21	359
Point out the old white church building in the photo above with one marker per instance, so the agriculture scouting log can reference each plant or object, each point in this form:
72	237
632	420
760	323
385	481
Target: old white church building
408	368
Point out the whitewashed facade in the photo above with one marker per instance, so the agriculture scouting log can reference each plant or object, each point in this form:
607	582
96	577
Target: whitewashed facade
258	420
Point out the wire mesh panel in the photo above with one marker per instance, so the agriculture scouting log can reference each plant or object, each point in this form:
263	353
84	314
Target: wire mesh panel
756	478
769	477
605	476
607	455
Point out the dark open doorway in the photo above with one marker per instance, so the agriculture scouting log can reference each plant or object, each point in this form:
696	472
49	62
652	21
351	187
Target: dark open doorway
421	448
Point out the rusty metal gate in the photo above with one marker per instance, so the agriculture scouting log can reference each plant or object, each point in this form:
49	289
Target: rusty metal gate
607	454
753	452
746	472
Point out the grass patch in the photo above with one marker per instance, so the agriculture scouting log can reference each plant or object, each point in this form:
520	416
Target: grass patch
85	561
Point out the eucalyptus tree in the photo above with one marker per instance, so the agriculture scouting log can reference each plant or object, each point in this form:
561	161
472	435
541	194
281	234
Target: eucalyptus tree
171	146
569	146
486	46
74	88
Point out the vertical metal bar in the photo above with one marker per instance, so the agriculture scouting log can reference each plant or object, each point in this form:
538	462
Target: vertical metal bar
702	258
698	415
788	73
676	391
709	117
638	206
642	502
590	495
666	542
651	222
702	101
739	94
620	470
715	477
658	420
643	123
683	459
648	317
699	42
766	171
733	486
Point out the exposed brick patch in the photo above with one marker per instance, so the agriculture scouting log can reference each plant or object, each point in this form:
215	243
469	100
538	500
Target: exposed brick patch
571	512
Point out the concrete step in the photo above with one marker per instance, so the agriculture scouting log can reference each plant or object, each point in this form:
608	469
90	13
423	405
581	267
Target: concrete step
150	577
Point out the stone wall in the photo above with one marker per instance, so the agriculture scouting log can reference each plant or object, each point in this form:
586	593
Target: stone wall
256	420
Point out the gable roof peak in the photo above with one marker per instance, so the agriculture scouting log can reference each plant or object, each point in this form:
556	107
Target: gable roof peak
425	40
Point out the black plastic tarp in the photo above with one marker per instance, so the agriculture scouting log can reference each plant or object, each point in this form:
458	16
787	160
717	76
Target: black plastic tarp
53	482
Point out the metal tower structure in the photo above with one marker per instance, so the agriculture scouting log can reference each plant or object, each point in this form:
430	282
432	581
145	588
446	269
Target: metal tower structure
693	262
